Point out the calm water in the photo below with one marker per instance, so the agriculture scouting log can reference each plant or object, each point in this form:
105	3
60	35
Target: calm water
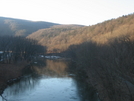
50	82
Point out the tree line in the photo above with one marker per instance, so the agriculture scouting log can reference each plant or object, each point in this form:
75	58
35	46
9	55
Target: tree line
14	49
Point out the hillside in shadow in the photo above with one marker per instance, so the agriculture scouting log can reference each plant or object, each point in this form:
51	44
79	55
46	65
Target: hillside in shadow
18	27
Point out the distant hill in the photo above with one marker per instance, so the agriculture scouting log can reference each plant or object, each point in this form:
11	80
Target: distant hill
18	27
59	38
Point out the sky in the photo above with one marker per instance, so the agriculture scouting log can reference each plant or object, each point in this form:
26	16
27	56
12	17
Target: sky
83	12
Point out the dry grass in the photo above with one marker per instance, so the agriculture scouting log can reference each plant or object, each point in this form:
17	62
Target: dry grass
10	71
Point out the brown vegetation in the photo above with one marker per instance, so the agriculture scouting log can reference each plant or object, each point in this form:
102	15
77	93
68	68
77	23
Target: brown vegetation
55	38
10	71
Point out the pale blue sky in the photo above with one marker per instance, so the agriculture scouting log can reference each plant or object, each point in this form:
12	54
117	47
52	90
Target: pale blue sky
85	12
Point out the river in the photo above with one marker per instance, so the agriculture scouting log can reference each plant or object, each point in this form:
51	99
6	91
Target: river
49	82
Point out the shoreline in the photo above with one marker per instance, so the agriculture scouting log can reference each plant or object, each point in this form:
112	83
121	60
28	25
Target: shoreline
10	73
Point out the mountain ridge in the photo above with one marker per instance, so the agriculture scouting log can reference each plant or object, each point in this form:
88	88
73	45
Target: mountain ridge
20	27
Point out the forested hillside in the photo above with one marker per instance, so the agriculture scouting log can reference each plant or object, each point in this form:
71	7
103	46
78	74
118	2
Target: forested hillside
59	38
17	27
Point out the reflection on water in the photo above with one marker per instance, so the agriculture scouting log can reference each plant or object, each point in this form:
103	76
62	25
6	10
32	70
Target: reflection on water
49	83
53	68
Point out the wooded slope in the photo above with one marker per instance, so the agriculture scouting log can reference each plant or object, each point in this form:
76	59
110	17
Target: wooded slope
56	38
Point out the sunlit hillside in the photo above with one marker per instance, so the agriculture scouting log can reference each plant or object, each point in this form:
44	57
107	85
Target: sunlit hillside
17	27
56	38
59	38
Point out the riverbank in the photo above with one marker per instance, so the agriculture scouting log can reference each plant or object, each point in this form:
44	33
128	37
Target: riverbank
115	87
10	72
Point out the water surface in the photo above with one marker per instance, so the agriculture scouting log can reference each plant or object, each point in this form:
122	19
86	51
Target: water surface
50	82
